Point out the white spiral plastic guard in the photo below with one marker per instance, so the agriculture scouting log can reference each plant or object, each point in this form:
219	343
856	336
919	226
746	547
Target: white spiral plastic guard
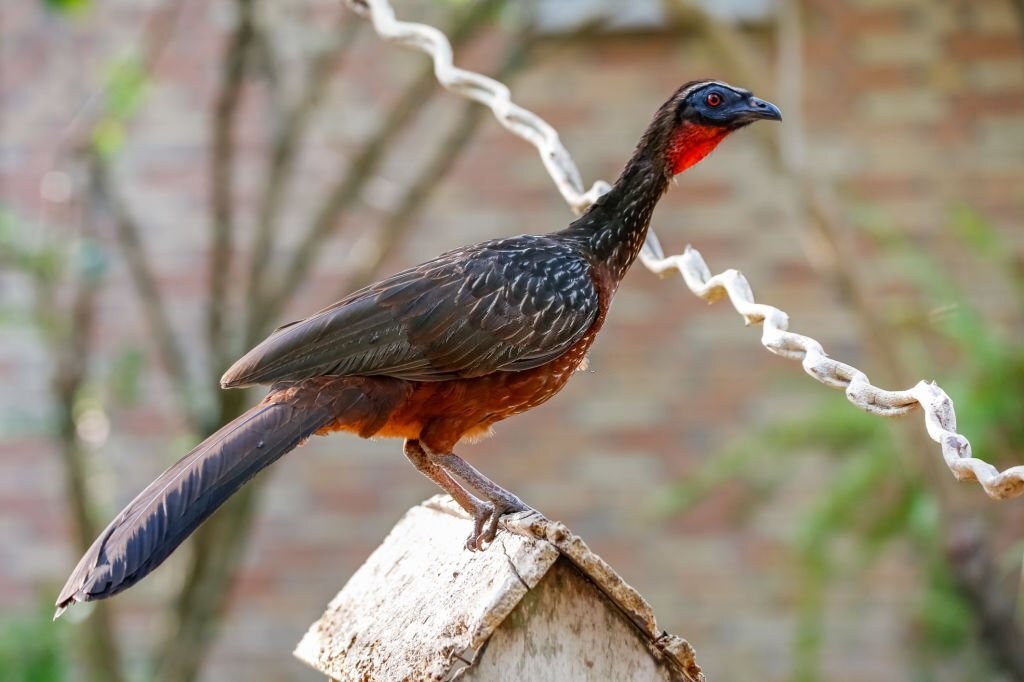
940	418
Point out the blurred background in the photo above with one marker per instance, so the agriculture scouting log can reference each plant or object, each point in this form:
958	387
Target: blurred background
178	177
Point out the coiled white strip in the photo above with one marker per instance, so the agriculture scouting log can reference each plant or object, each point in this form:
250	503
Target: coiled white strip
940	418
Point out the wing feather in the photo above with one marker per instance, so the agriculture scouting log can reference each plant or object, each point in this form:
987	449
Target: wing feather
506	305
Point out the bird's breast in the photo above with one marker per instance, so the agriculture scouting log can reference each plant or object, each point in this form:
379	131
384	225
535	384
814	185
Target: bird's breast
447	412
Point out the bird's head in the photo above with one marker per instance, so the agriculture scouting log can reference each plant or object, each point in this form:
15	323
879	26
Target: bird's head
700	115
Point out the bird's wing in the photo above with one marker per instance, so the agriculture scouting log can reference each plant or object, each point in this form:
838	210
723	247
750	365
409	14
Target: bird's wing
506	305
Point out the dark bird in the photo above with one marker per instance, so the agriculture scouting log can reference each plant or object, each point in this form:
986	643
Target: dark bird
435	354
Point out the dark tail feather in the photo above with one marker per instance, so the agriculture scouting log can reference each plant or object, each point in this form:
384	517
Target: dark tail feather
171	507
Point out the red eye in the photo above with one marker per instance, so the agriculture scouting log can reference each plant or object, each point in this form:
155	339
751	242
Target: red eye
713	100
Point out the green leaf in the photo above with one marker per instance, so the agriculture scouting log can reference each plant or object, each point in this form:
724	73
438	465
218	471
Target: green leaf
860	478
126	375
975	231
108	136
32	648
124	90
891	521
70	7
125	86
946	619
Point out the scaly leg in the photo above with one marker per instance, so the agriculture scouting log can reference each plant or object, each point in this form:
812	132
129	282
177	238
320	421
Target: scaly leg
501	501
475	507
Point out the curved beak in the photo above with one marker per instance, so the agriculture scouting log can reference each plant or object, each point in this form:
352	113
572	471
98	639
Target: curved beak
755	109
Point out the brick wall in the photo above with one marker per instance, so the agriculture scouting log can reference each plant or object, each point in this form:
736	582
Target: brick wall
909	105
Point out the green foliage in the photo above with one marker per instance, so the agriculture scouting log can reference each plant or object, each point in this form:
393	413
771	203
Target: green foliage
124	91
17	250
69	7
52	264
945	619
108	136
866	505
989	373
32	648
756	460
126	375
125	85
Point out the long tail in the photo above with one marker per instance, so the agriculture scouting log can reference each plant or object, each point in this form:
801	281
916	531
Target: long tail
171	507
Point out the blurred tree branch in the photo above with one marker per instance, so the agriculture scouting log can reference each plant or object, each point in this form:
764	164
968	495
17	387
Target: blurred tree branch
1018	6
222	158
128	235
68	330
345	192
66	279
219	545
976	574
286	145
446	152
69	339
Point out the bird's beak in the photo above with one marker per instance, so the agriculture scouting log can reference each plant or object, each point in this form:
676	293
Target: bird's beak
755	109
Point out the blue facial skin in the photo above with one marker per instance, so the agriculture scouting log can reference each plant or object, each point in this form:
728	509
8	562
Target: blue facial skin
723	106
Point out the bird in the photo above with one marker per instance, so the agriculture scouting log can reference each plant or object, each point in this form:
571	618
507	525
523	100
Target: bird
435	354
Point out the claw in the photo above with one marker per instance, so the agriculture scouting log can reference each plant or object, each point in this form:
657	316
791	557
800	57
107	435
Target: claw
481	515
490	514
492	527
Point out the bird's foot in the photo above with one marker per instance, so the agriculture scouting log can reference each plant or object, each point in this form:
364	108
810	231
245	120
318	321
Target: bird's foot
486	518
487	509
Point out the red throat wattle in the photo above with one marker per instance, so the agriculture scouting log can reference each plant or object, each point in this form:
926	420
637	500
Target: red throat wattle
691	143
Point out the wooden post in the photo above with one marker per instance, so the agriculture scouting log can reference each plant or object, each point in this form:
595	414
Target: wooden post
536	605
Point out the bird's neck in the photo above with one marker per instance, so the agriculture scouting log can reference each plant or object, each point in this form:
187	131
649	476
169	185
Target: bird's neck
613	230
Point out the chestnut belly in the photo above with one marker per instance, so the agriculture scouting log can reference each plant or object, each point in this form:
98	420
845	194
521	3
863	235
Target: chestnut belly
442	413
446	412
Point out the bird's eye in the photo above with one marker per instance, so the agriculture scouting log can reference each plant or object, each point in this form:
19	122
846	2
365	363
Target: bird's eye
713	99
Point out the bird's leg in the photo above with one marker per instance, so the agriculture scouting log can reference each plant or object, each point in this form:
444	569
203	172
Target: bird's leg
501	501
475	507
